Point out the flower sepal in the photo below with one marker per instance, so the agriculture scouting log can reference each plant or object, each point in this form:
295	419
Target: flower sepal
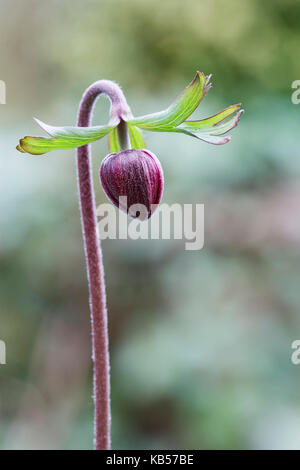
173	119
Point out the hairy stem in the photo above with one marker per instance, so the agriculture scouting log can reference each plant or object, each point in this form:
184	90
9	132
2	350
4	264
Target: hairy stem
92	244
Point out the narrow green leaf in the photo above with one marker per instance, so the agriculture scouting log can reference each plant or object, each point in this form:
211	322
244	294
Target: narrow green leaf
19	148
89	134
113	141
212	120
213	129
41	145
210	139
62	138
214	139
136	138
183	107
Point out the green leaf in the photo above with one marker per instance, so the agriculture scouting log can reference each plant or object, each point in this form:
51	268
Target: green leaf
113	141
135	135
219	129
213	139
206	129
19	148
89	134
41	145
136	138
210	139
62	138
183	107
212	120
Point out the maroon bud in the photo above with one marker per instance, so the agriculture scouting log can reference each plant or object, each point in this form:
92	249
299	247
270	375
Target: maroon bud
136	175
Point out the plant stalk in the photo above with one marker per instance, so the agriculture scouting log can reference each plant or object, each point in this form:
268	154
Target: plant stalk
92	245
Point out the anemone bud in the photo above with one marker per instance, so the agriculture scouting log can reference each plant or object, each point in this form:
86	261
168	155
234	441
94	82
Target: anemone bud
133	181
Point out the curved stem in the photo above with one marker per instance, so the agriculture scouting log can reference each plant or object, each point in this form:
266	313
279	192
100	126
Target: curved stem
92	244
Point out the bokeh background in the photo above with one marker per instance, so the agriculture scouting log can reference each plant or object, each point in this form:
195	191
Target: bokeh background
200	341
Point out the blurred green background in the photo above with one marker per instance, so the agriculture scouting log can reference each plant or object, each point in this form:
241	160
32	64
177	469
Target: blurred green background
200	341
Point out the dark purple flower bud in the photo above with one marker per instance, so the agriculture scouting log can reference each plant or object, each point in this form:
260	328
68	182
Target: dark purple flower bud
136	177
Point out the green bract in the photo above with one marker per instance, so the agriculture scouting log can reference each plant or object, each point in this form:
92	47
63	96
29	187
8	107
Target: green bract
182	107
172	119
135	136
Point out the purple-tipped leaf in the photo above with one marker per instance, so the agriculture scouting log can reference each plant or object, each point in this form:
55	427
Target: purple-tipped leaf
184	105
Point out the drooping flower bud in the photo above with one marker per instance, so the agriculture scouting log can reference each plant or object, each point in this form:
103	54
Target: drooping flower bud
133	181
